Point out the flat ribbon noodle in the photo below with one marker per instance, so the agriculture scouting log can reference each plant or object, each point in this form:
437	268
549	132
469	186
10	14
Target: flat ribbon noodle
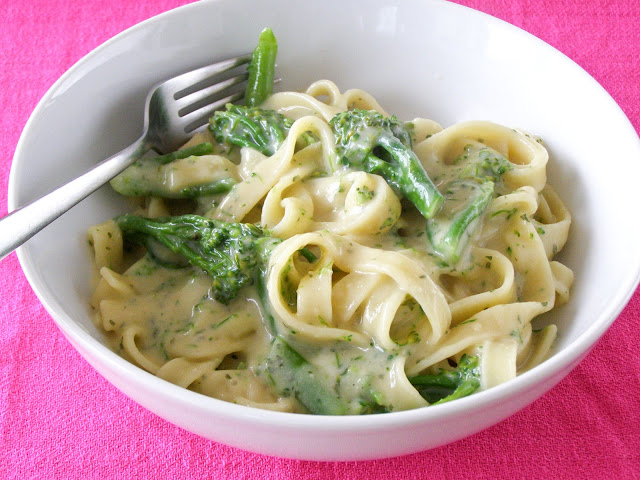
245	195
527	158
350	203
348	257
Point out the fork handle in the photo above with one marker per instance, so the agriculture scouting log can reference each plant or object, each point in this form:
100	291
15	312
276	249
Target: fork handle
24	222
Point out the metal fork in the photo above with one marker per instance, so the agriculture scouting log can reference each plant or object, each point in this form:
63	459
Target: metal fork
174	110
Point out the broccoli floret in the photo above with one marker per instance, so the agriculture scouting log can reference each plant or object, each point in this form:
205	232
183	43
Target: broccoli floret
249	126
261	129
368	141
232	253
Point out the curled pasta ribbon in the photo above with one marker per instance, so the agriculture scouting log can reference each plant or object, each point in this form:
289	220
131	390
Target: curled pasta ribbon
315	320
510	231
288	207
108	296
353	203
322	99
106	240
491	265
562	280
503	357
527	157
115	285
155	208
313	317
114	314
552	221
423	128
349	100
297	105
363	204
498	361
493	323
183	372
399	392
249	158
386	320
131	349
521	201
245	195
537	348
349	294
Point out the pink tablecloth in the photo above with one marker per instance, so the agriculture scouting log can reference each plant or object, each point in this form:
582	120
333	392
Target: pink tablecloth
60	419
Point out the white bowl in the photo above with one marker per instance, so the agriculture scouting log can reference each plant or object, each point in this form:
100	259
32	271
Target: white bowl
418	58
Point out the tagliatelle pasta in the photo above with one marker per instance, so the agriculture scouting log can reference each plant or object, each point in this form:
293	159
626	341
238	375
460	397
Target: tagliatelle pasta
362	305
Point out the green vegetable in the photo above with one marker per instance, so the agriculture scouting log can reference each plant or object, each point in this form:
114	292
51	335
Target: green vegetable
261	69
261	129
477	177
308	254
450	230
214	188
249	126
232	253
200	149
483	163
449	385
260	273
144	177
368	141
291	375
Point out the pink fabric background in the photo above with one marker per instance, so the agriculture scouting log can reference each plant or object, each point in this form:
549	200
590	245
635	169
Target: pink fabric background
60	419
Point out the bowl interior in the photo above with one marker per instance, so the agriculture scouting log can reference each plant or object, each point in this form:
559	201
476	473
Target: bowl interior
418	58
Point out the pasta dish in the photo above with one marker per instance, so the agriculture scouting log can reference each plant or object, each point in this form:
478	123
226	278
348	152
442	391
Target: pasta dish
315	254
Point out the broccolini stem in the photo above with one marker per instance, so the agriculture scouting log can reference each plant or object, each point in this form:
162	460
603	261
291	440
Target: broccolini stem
449	385
261	69
449	232
414	183
145	178
368	141
292	375
308	254
196	150
221	186
466	388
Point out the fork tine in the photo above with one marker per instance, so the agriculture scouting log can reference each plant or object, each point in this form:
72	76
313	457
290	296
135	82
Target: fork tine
200	117
187	80
192	99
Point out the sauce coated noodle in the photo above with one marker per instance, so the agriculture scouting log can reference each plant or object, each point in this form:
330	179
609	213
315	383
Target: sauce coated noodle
373	306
